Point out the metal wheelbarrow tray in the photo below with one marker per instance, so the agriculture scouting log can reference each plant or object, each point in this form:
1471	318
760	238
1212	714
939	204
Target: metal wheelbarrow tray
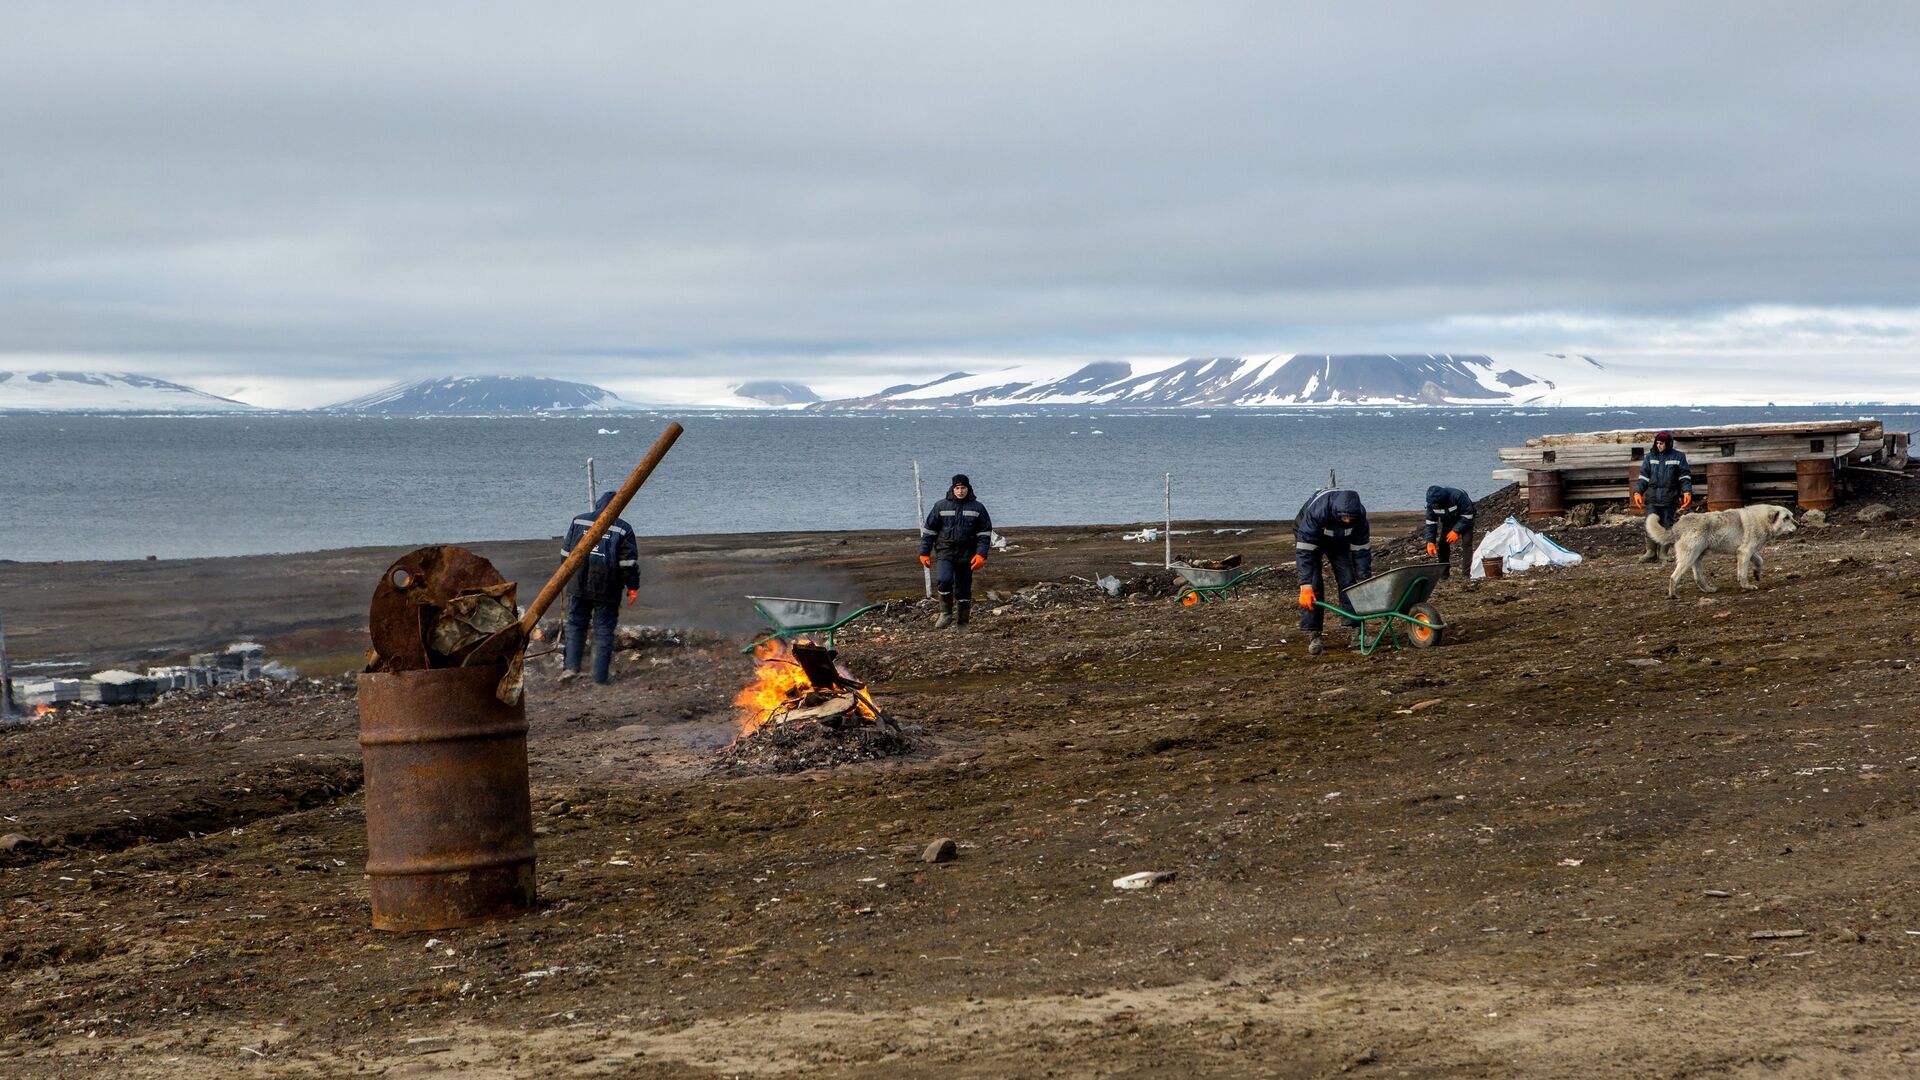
793	617
1204	585
1390	599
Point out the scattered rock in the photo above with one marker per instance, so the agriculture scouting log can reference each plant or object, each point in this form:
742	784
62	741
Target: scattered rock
1644	661
1873	512
14	841
1582	515
560	809
1816	519
941	850
1145	879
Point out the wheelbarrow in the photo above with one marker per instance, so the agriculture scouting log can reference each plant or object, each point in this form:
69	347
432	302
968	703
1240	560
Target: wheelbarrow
788	617
1206	586
1386	601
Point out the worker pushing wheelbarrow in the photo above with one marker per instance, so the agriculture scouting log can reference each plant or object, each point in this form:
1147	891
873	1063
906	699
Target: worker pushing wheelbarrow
1394	607
1332	528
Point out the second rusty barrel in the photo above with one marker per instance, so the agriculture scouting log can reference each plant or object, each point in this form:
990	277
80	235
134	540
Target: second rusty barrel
1546	497
1725	489
449	814
1815	483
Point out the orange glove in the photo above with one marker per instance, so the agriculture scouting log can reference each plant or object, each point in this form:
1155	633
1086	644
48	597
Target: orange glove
1433	550
978	562
1306	597
1453	538
633	596
1686	499
926	560
1639	501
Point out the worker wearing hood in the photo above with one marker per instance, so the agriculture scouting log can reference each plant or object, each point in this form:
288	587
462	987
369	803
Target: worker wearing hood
1331	526
1449	524
593	593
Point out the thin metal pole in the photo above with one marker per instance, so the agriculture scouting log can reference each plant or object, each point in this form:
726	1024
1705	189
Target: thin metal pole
1168	496
593	491
1332	480
6	679
920	522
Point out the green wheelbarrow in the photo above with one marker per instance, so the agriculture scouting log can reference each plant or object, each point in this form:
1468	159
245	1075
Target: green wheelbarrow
1204	586
789	617
1387	601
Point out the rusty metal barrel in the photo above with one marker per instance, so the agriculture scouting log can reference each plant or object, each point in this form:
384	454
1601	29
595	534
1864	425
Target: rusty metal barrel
1725	486
1546	497
449	814
1815	481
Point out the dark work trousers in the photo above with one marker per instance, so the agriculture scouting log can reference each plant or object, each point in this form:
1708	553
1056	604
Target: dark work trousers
953	576
604	614
1466	549
1667	514
1345	573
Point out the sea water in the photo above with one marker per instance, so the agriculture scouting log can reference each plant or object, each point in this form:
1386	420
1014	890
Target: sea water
103	487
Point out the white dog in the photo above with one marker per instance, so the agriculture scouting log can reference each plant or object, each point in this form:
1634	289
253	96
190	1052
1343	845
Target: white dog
1740	533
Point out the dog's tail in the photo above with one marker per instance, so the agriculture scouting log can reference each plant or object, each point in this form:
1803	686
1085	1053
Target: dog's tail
1660	533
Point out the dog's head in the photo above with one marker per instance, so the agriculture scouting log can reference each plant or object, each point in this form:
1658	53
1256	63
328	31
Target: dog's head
1782	520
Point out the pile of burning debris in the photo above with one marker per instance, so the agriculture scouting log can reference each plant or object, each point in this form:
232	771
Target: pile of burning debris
805	710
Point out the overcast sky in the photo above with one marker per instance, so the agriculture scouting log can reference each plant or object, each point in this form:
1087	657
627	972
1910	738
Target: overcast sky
301	201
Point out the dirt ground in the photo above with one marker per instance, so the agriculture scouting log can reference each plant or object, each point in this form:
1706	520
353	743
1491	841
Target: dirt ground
1596	833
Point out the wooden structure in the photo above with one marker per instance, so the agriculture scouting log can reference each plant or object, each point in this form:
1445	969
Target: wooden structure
1733	464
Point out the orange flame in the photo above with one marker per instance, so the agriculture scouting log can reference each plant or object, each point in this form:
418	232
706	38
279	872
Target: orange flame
776	680
43	710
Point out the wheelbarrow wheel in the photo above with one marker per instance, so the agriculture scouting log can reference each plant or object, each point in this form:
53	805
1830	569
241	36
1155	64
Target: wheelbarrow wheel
1426	633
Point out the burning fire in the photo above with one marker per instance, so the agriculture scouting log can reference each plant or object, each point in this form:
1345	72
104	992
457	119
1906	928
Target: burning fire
43	710
777	680
782	692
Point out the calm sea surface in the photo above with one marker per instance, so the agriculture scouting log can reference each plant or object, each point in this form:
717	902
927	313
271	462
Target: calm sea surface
96	487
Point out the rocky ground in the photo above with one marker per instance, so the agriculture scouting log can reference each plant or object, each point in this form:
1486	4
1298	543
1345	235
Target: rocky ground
1595	833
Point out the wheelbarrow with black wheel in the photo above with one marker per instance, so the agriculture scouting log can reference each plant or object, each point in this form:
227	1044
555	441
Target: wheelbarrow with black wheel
1393	606
1206	585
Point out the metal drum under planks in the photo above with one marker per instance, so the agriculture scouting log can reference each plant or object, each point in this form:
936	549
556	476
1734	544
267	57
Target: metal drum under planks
449	815
1725	490
1814	481
1546	497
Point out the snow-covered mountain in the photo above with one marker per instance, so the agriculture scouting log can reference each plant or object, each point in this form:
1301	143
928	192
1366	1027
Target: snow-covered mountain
485	395
105	391
1223	382
775	392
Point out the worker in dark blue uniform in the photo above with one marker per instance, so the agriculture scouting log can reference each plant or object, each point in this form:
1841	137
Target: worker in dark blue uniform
1449	523
957	535
1663	488
1332	525
593	593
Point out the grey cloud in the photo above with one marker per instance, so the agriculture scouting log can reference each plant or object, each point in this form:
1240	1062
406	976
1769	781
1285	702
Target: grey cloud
355	188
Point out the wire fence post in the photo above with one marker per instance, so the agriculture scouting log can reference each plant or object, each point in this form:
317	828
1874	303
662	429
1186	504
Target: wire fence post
920	522
6	679
1167	496
593	492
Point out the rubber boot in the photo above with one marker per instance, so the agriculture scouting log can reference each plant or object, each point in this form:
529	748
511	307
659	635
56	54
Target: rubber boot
1315	645
946	612
1653	551
960	618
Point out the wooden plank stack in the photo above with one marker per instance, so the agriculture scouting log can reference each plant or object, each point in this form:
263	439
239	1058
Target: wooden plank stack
1784	463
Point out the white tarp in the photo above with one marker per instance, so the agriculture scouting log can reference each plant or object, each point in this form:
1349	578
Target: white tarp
1520	548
